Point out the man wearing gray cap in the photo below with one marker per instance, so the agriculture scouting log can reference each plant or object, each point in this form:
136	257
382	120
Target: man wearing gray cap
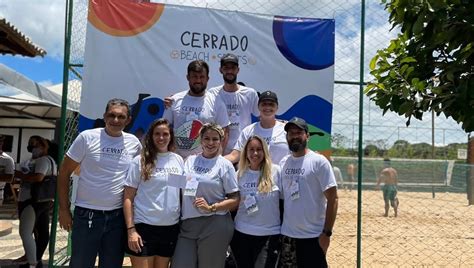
7	167
310	199
240	101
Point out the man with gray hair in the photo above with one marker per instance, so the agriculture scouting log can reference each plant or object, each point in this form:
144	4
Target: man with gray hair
104	155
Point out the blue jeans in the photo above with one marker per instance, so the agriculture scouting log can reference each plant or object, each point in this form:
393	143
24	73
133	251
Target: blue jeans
105	235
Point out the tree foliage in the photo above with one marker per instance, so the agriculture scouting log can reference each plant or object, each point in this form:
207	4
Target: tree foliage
430	65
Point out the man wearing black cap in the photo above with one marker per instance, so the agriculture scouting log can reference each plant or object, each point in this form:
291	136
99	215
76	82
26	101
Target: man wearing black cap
7	168
268	128
310	199
240	101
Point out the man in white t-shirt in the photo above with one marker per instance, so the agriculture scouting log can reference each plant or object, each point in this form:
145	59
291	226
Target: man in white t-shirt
241	101
310	199
192	108
7	168
104	155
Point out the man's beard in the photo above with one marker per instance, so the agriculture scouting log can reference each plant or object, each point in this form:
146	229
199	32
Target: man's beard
297	145
230	81
198	89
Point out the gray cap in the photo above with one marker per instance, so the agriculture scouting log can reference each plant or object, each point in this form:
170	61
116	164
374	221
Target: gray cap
268	96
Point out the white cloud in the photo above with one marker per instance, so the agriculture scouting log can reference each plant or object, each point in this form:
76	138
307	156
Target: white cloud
41	20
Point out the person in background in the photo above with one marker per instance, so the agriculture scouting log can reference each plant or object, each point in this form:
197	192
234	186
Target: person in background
211	191
269	128
7	168
33	213
389	177
337	173
151	207
257	223
104	154
351	171
310	200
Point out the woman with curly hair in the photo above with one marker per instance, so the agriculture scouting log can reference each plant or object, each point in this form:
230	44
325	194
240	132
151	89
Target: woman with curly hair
151	207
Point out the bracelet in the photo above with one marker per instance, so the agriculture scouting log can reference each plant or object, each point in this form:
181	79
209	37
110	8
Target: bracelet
130	228
213	207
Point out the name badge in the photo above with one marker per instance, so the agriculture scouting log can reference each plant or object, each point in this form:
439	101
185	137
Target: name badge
191	187
250	204
294	189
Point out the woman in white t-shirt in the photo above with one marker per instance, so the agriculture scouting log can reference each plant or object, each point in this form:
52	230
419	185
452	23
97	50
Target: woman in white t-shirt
33	209
211	191
151	207
257	223
269	128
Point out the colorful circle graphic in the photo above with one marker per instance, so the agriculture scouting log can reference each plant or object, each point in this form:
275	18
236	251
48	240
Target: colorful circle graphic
123	18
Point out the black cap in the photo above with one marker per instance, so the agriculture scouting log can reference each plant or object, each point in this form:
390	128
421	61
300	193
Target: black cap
298	122
229	58
268	96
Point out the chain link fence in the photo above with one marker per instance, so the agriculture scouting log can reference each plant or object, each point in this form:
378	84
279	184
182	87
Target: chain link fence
434	226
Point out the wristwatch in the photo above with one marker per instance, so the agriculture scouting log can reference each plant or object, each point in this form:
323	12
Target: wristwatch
328	233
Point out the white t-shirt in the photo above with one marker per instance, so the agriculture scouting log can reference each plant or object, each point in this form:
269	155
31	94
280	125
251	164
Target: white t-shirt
104	164
216	177
188	113
155	202
266	219
306	177
240	105
275	138
43	165
7	166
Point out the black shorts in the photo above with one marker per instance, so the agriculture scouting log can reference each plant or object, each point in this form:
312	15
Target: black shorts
157	240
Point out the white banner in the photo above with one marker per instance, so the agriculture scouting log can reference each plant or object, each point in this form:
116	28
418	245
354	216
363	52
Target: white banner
140	52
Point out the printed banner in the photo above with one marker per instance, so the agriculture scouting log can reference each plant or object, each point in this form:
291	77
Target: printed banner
140	52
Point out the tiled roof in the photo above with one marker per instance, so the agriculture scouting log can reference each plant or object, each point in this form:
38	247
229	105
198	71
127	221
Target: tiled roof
14	42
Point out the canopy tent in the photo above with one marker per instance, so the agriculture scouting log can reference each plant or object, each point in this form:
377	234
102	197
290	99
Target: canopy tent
25	103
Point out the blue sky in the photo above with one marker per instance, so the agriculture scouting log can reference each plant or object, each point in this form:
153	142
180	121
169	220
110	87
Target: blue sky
43	22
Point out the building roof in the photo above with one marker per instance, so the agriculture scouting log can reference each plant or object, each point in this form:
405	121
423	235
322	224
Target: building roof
14	42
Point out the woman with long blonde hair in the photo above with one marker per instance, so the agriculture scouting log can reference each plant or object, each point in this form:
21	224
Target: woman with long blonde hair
257	223
151	207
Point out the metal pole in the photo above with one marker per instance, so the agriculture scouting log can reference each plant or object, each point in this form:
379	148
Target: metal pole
361	119
62	128
432	134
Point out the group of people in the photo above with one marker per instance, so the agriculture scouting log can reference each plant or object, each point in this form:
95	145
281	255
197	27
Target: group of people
166	200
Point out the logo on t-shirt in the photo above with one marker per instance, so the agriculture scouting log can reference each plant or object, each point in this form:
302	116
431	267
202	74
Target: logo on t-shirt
187	135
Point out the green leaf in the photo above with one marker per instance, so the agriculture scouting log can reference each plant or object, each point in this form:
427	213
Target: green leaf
418	26
408	59
406	108
373	62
